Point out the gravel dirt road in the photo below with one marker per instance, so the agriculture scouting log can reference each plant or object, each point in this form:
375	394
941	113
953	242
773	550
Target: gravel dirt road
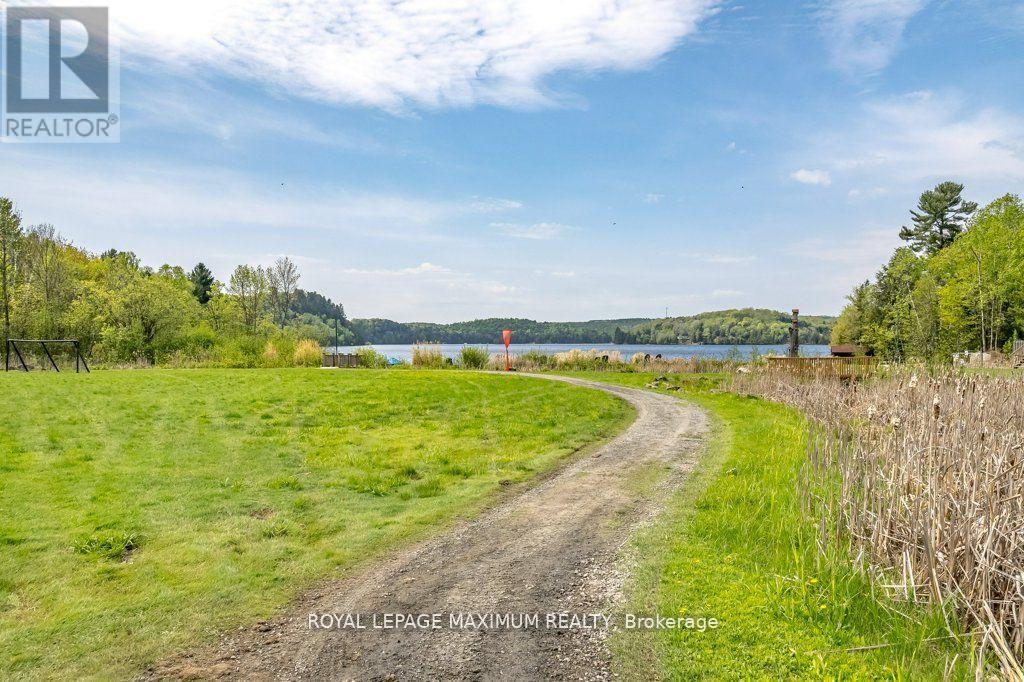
552	548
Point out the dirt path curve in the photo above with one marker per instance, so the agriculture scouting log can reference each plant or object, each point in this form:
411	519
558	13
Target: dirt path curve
552	548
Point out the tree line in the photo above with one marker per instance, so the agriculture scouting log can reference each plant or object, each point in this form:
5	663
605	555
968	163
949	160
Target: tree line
957	285
753	326
729	327
488	330
125	312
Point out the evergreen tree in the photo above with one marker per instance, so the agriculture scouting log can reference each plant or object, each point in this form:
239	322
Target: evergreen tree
202	282
940	216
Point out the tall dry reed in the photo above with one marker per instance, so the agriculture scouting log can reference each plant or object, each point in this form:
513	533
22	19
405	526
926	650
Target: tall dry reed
427	355
922	475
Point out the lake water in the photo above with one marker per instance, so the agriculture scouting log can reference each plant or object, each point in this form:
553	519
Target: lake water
404	352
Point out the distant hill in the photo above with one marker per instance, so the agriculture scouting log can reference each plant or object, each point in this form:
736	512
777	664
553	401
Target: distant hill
744	326
489	331
749	325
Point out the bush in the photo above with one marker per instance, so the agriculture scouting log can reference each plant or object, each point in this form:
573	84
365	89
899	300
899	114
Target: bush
199	338
535	359
368	357
308	353
427	355
270	354
587	359
242	351
472	357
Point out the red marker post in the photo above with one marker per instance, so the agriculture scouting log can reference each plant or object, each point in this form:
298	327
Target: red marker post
506	336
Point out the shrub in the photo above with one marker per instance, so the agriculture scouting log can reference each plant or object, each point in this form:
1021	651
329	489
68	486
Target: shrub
242	351
427	355
368	357
200	337
270	354
472	357
534	359
307	353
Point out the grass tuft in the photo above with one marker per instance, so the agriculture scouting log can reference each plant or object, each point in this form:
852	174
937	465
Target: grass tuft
114	547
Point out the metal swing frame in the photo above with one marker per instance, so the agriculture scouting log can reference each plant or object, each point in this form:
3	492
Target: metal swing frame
12	345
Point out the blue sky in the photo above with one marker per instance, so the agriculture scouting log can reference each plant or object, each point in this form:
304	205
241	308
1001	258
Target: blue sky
441	161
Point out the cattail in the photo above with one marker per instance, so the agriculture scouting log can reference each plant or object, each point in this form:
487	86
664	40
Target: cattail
932	508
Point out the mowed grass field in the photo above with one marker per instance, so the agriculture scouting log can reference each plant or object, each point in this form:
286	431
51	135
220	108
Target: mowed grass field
144	511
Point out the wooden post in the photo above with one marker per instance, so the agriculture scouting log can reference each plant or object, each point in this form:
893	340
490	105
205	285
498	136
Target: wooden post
794	334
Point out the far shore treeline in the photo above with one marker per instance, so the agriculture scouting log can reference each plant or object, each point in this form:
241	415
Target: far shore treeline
729	327
958	284
125	312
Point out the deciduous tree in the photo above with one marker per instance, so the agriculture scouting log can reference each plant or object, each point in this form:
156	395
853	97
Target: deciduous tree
283	281
249	286
10	243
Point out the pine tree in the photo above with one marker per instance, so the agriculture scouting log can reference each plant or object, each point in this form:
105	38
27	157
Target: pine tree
940	216
202	282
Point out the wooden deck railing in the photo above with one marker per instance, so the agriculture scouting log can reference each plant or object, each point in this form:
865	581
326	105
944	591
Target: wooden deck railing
842	368
341	360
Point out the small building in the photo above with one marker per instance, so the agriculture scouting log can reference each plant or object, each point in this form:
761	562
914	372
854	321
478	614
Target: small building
847	350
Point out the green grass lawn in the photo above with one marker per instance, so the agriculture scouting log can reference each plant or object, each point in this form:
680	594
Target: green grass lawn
143	511
734	545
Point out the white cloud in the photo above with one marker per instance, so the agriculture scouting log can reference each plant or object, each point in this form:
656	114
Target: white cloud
494	205
726	259
720	258
812	177
864	35
395	54
869	247
137	196
537	231
904	143
421	269
419	288
231	120
867	192
653	198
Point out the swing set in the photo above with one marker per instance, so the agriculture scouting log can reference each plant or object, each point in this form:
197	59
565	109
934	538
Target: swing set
14	357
